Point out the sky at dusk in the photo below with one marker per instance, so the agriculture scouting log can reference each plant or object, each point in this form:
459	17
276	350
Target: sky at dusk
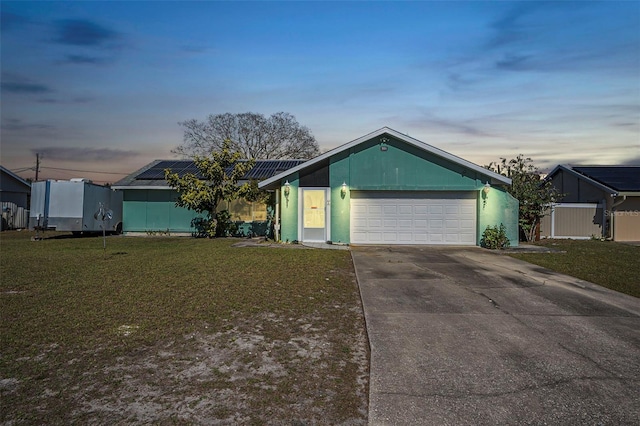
101	86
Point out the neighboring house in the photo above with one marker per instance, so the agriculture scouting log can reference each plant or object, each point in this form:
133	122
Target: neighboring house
14	197
149	201
599	201
389	188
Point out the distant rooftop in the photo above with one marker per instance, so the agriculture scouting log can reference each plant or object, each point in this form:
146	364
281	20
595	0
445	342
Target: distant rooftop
619	178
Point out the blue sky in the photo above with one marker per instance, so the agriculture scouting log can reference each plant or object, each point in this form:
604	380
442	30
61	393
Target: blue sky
101	86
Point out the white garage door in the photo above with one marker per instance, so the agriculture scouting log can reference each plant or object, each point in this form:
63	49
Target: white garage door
413	217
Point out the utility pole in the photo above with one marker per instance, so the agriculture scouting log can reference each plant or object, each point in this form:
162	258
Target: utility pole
37	165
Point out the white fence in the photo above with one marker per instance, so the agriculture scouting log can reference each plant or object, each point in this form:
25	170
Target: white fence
574	220
14	217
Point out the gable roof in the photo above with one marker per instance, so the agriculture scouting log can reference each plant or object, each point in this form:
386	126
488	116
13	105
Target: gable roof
405	138
151	176
16	177
616	180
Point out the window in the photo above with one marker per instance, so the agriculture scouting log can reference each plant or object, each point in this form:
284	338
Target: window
244	211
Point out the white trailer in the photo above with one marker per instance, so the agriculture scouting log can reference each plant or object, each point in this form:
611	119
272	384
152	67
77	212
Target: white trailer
72	205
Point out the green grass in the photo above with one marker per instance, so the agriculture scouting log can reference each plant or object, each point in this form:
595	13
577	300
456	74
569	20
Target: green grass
70	310
606	263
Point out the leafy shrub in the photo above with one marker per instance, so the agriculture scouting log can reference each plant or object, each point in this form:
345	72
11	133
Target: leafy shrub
225	227
495	237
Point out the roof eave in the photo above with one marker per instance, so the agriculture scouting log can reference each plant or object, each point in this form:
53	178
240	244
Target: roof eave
15	176
496	178
569	168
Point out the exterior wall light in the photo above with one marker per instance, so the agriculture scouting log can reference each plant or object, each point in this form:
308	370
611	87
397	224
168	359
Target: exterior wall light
287	189
343	189
487	188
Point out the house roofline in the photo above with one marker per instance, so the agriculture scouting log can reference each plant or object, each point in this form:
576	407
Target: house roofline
405	138
15	176
569	168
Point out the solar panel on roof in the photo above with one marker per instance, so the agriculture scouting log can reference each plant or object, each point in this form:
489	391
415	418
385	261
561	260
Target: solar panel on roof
623	178
263	169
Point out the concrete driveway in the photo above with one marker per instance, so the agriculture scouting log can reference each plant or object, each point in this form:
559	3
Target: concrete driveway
466	336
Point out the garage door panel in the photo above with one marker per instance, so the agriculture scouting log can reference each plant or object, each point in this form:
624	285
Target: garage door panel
405	224
452	209
413	218
420	224
435	224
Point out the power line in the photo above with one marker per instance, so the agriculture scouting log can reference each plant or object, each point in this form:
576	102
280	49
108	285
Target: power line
22	169
85	171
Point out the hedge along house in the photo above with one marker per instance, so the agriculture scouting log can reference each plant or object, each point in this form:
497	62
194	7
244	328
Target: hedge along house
149	203
389	188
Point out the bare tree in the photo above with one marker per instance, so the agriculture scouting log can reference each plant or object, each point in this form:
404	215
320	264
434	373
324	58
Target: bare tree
252	135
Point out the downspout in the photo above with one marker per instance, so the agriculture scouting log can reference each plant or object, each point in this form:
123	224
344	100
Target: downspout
613	212
276	226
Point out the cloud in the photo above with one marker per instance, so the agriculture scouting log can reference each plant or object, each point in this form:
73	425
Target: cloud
191	48
16	124
82	60
78	100
514	62
430	122
23	87
79	32
509	28
631	161
84	154
9	21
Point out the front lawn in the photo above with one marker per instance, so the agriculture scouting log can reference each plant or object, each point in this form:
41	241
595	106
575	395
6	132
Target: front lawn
607	263
178	330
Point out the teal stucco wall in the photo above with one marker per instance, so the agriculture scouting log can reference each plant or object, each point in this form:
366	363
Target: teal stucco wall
404	167
289	211
339	173
154	210
495	208
394	165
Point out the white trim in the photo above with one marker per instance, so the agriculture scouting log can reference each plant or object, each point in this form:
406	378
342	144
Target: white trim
386	130
577	205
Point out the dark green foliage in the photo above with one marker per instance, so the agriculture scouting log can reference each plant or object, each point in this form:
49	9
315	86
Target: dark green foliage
533	194
495	237
225	227
221	171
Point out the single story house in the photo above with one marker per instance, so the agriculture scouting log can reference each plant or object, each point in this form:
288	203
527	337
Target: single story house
389	188
599	201
14	198
149	202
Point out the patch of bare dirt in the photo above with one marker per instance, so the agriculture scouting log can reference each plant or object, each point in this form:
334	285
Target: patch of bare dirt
263	370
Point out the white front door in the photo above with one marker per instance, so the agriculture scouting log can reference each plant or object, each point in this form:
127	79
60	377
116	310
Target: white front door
314	215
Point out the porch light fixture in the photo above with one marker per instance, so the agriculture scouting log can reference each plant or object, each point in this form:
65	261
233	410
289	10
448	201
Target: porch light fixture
343	189
287	189
487	188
